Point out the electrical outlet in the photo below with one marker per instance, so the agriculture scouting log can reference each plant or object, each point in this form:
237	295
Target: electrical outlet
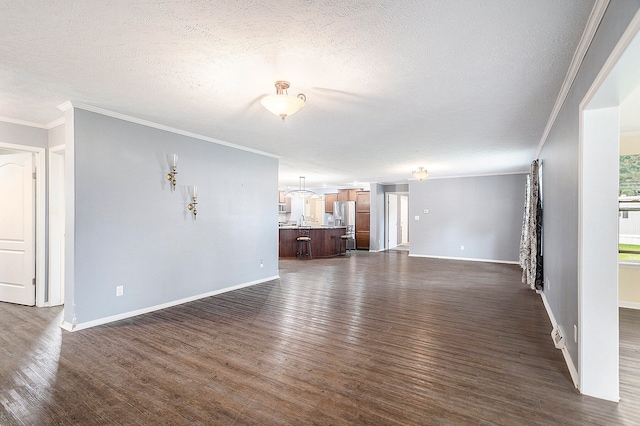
575	333
119	290
461	247
262	263
547	284
558	338
417	218
425	211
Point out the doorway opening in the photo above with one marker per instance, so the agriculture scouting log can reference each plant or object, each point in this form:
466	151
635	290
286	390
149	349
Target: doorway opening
397	223
598	301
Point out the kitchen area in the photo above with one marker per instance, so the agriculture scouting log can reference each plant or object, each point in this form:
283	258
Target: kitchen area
329	217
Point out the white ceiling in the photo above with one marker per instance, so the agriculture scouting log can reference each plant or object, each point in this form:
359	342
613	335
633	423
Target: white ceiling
460	87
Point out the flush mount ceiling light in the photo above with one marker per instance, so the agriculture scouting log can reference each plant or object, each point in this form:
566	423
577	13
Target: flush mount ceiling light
282	104
302	192
420	174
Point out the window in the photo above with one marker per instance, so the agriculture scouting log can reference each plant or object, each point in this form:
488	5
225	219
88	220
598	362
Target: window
629	231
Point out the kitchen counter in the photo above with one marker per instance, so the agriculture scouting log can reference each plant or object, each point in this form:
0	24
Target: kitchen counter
325	241
312	227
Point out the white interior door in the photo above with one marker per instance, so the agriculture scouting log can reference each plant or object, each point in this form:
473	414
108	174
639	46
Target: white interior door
17	229
392	240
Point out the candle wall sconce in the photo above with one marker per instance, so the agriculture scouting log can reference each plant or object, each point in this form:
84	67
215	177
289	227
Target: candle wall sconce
171	176
194	202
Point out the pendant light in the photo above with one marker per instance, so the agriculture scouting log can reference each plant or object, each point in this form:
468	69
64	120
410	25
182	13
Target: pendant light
302	192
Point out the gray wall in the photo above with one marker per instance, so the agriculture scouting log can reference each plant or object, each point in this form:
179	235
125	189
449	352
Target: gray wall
56	136
560	176
23	135
130	229
483	214
401	187
376	219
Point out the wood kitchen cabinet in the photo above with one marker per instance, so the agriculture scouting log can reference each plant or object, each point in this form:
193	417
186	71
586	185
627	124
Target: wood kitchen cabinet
328	202
284	200
347	194
363	215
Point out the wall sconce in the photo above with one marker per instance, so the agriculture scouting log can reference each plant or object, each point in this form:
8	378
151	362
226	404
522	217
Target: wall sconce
194	202
171	176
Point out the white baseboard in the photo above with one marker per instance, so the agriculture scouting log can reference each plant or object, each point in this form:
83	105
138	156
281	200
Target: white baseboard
510	262
101	321
573	371
629	305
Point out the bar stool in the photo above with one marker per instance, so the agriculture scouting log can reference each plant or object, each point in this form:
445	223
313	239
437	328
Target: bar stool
348	238
304	238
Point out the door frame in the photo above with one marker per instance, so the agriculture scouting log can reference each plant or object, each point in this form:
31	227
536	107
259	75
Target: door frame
389	216
386	214
598	181
40	207
54	286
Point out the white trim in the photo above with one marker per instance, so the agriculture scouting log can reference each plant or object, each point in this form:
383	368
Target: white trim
377	251
626	39
54	151
57	148
509	262
573	371
629	305
593	22
66	105
81	326
47	126
587	367
523	172
54	123
629	264
40	164
22	122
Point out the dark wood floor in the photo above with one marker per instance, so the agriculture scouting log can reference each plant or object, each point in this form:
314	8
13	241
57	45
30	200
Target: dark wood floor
378	338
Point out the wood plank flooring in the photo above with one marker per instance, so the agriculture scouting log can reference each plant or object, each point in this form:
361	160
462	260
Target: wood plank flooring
374	339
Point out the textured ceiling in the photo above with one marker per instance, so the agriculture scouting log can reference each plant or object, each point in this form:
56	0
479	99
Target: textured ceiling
460	87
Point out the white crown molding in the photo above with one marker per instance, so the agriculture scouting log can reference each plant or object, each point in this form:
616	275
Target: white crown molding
22	122
65	106
69	104
599	8
523	172
48	126
54	123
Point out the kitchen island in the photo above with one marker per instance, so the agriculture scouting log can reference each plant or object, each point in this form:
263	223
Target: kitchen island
325	241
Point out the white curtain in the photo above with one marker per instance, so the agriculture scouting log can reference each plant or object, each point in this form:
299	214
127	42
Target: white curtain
530	242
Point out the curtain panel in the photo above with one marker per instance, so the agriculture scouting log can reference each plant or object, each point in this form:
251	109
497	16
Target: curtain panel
531	239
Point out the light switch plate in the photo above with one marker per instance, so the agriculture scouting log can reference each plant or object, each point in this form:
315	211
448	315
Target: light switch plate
417	217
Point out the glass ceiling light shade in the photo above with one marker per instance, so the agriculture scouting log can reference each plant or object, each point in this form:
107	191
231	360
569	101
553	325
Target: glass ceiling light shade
282	104
420	174
302	192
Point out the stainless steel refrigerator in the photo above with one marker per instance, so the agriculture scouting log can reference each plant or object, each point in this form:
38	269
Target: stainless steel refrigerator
344	214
